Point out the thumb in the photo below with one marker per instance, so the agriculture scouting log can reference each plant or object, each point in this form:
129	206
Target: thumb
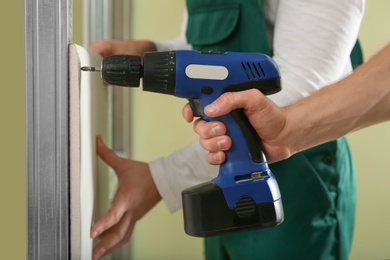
230	101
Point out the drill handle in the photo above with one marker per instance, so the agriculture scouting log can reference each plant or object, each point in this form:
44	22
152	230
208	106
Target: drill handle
252	139
246	154
242	124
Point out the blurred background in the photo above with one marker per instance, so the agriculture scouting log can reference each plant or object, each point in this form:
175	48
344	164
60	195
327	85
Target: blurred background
158	132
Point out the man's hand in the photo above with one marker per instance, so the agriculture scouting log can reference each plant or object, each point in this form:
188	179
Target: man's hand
269	121
136	195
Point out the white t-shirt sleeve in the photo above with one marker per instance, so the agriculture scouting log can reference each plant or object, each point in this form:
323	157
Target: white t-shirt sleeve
312	44
182	169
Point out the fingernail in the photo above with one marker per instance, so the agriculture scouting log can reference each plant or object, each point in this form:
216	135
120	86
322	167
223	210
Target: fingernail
99	139
217	158
221	143
211	108
94	234
215	130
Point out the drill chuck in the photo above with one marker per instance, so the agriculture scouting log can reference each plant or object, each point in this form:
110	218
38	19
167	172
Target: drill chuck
160	72
122	70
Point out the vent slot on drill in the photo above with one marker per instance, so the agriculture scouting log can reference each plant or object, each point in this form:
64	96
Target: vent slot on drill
253	70
255	176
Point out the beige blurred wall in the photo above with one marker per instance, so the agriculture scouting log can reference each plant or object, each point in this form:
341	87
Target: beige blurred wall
12	132
370	148
158	130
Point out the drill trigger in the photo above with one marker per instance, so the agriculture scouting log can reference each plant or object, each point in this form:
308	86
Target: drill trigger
196	106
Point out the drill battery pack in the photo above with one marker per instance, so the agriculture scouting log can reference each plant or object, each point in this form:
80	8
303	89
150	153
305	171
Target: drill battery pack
206	212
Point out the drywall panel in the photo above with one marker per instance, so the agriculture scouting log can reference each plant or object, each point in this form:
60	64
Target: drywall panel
88	99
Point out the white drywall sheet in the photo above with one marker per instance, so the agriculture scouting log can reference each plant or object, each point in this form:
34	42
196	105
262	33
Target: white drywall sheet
88	117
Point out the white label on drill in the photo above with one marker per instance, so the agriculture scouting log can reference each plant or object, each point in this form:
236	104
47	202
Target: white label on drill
196	71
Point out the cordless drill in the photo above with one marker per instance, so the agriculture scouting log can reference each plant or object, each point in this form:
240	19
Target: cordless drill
245	194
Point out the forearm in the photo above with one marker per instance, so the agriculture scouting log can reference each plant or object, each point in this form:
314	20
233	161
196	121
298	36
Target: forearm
358	101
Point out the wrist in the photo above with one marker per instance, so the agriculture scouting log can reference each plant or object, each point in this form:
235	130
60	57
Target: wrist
289	136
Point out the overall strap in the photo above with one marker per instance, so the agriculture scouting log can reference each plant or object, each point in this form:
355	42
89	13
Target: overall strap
234	25
227	25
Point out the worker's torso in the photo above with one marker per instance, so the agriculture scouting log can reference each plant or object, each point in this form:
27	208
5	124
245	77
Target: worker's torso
317	186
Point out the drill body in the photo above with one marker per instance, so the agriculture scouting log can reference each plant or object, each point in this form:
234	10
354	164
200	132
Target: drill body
245	194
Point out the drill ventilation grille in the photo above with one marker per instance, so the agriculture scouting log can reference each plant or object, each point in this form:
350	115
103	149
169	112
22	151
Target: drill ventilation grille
245	207
253	70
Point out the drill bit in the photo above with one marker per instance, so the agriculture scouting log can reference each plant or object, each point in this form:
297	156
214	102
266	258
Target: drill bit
91	68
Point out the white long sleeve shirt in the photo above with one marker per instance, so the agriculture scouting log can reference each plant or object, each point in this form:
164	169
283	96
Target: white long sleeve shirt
312	41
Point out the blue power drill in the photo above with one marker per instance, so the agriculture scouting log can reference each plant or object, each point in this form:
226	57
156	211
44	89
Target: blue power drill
245	194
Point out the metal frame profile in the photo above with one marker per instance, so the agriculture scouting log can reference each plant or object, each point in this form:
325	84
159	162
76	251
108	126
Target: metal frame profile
47	34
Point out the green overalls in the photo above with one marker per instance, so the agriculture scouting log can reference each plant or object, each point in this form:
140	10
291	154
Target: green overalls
317	185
